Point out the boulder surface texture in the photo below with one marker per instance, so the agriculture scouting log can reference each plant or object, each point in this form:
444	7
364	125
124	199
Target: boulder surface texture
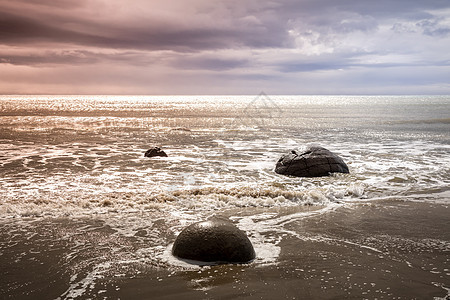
216	240
314	161
155	151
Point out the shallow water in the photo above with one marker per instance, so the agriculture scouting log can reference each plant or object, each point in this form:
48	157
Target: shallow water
84	215
363	250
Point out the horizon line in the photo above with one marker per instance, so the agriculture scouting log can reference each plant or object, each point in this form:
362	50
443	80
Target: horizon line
255	94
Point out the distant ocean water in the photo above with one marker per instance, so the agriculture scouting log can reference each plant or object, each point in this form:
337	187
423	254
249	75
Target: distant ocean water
78	197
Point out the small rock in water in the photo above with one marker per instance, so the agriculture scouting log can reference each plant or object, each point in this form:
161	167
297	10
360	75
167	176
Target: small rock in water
315	161
216	240
155	151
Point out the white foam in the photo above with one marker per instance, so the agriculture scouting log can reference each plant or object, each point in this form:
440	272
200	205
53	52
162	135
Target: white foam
173	261
50	179
78	288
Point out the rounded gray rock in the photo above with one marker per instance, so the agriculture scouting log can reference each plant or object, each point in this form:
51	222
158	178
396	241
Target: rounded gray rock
216	240
314	161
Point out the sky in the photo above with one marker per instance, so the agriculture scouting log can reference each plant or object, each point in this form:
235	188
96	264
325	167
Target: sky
228	47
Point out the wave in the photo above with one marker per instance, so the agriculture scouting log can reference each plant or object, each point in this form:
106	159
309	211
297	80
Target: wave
207	199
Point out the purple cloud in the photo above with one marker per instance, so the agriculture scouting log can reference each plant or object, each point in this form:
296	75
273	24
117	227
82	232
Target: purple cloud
263	44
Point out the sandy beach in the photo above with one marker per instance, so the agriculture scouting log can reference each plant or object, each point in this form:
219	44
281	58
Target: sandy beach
380	249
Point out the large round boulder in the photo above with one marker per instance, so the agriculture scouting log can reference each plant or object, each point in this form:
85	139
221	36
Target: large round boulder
216	240
155	151
314	161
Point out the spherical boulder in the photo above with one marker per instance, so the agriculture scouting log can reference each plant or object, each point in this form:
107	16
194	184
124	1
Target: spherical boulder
314	161
216	240
155	151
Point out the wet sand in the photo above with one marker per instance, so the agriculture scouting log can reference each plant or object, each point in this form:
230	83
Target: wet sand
385	249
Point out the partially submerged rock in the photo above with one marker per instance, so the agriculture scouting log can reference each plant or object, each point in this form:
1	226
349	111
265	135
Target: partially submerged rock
216	240
314	161
155	151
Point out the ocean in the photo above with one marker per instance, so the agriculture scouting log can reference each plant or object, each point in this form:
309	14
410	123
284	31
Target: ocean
84	215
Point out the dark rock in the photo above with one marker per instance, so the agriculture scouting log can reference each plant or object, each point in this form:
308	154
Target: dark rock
216	240
155	151
315	161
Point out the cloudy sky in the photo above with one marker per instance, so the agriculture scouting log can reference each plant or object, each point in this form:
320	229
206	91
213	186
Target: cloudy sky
225	47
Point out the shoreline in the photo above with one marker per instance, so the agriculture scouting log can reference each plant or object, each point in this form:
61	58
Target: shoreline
388	248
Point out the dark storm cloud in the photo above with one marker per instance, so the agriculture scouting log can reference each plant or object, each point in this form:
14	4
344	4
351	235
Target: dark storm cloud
76	57
15	28
272	23
148	34
255	42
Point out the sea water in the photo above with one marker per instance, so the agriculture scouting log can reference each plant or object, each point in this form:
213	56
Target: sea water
83	214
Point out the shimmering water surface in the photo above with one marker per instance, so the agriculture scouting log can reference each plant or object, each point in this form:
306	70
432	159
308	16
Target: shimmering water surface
83	214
